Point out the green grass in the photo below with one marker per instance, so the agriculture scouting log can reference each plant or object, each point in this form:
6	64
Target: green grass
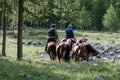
41	35
32	67
53	70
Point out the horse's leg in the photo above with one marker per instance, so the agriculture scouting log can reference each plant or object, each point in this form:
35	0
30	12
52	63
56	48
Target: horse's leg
73	54
59	57
82	58
76	59
50	56
63	57
87	57
54	53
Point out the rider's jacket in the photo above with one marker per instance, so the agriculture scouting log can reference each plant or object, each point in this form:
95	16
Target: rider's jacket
52	33
69	33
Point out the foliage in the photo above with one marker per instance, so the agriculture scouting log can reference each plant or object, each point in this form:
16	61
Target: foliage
85	18
41	13
111	20
98	11
116	4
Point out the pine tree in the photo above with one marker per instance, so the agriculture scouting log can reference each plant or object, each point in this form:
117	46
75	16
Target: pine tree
98	13
85	18
111	20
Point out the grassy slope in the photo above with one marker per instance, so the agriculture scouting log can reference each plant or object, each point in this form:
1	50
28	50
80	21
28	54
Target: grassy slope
30	69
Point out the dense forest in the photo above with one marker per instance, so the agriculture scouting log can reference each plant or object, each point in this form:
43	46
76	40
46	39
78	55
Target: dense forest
83	14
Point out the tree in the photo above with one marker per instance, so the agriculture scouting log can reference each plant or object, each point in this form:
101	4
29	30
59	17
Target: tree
14	16
111	20
87	4
85	18
97	13
116	4
118	8
20	25
4	29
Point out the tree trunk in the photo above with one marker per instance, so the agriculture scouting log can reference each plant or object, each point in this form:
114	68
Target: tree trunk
20	25
13	31
4	34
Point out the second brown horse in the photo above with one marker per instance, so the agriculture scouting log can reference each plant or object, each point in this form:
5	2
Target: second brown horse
83	51
63	51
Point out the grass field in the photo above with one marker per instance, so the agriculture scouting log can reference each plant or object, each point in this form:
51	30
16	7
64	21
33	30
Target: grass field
49	70
33	68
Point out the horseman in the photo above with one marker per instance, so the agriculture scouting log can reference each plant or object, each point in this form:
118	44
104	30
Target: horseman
52	35
69	33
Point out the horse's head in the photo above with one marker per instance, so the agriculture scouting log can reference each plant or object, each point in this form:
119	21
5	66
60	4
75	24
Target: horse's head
96	52
92	50
82	40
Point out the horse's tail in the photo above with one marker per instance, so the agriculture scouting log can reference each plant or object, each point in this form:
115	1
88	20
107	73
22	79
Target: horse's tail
53	48
91	50
67	54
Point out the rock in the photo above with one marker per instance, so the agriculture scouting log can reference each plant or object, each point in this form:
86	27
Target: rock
104	58
111	53
95	64
97	77
29	43
119	56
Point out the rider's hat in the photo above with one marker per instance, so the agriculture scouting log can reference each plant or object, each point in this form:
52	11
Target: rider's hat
53	25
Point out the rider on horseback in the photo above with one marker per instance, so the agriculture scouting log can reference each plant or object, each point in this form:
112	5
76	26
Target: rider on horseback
69	33
52	35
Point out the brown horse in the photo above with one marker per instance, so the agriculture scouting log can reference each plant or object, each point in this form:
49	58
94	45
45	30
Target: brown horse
76	52
83	51
63	51
51	50
71	42
76	48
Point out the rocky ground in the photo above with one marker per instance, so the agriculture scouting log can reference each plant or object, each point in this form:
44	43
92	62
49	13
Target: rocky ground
108	50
